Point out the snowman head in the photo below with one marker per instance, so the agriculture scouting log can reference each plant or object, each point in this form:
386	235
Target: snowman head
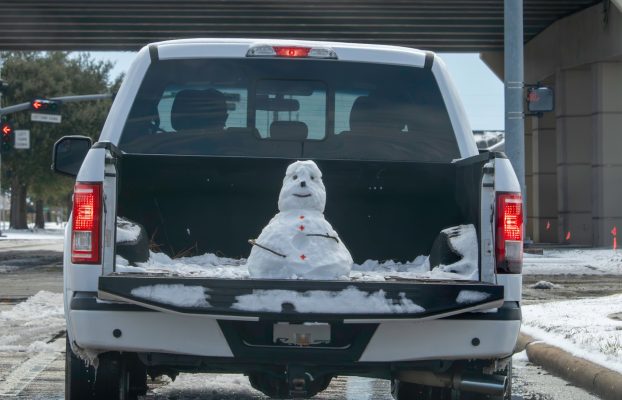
303	188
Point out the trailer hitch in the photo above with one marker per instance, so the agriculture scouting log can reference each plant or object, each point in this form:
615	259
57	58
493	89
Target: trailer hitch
298	381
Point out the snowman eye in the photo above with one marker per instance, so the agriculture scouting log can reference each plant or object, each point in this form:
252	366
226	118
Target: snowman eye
295	177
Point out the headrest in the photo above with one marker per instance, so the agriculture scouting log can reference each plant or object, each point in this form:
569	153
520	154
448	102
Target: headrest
361	114
288	130
199	109
373	113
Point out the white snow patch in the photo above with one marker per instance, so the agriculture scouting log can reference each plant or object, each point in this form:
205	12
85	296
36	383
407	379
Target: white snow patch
42	306
127	231
463	239
544	285
7	268
28	326
574	262
211	266
33	234
205	266
177	294
471	296
208	387
581	327
521	356
350	300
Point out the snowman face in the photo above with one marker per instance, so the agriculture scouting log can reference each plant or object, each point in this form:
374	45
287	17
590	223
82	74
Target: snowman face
303	188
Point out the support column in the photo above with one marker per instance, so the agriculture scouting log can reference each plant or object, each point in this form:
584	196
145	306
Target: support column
513	67
574	154
543	189
606	151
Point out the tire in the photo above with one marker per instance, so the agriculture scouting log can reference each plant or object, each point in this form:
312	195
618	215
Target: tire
137	377
79	378
113	379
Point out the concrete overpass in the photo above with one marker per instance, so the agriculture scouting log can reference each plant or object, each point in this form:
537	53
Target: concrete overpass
440	25
574	156
573	164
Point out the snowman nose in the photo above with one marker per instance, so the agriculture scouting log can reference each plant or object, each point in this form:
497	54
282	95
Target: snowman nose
303	184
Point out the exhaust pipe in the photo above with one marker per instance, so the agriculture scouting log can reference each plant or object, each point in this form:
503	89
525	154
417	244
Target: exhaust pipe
494	385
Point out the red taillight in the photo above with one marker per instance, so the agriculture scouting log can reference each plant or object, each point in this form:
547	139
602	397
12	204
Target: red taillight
509	238
283	51
86	223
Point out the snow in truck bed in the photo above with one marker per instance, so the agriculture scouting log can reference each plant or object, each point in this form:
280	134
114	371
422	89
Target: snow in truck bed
212	266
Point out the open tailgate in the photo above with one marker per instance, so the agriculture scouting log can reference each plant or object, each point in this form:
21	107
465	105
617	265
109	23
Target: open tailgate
300	300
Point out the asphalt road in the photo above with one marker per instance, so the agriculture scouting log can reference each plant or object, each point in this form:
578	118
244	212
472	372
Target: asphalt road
37	374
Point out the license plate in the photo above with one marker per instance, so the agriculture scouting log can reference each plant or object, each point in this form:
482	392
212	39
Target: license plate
306	334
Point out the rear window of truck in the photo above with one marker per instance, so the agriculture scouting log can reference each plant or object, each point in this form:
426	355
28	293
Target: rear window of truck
290	108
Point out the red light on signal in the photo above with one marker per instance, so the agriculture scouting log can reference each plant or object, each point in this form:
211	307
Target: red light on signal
283	51
6	129
45	105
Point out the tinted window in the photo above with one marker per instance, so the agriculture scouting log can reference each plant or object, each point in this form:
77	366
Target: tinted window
289	108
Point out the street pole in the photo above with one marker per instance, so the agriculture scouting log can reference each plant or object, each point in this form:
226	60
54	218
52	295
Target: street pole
1	192
513	79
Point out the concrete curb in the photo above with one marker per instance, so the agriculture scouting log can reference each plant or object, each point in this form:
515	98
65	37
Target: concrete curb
595	378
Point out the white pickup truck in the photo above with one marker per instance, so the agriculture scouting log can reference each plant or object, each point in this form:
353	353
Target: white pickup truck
193	153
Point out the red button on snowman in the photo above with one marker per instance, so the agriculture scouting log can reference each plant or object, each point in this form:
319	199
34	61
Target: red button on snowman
298	242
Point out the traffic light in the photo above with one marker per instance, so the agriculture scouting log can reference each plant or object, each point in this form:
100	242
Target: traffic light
4	86
45	106
6	130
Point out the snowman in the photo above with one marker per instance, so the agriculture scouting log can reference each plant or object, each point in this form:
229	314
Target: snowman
298	242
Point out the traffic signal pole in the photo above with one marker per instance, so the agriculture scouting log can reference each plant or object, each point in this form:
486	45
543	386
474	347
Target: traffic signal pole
27	106
514	83
65	99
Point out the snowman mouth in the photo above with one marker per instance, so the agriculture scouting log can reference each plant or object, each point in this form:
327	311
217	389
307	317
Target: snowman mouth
302	195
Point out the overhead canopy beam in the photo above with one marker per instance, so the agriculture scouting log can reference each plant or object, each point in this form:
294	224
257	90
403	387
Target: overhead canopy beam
438	25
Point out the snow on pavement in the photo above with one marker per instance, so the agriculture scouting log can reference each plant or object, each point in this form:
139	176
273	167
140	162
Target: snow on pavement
574	262
582	327
29	326
30	343
52	232
32	239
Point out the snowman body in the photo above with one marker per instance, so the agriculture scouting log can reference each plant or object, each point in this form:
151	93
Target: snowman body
298	242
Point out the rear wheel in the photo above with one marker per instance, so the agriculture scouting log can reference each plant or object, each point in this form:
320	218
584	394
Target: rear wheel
79	377
113	381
